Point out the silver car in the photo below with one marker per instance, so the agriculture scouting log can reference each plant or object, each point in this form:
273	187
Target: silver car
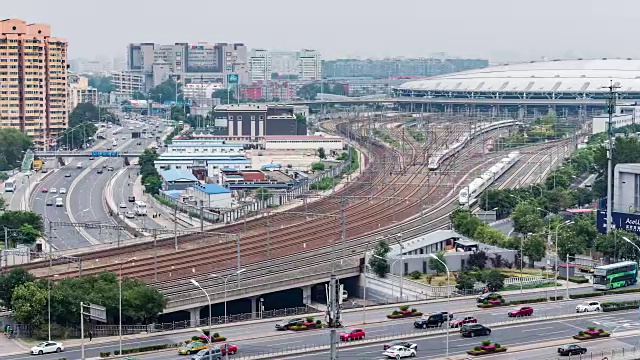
204	354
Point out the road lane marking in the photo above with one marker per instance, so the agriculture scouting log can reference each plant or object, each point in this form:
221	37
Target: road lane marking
538	329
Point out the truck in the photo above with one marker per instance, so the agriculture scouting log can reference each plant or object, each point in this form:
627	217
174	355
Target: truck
140	208
37	165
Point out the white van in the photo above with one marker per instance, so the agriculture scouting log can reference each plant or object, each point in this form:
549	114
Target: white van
59	202
79	165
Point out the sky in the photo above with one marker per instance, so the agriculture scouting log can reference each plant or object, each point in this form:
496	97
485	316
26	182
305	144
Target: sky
498	30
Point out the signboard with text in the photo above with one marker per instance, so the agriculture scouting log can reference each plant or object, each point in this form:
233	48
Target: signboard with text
105	153
622	221
232	78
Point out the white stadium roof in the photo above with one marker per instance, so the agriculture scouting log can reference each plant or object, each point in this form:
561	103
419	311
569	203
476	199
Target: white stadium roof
557	76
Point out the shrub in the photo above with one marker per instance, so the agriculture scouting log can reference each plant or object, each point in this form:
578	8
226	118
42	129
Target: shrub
105	354
195	338
497	345
205	332
577	279
146	348
309	318
395	312
477	348
414	310
429	279
485	302
591	328
216	335
486	342
601	331
580	333
404	307
415	275
318	322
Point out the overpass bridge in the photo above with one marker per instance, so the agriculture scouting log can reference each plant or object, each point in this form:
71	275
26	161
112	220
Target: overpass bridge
60	155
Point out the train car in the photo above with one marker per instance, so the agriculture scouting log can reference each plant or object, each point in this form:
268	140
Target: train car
468	195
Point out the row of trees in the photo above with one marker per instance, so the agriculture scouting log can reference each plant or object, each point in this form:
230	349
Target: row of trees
28	297
23	227
13	145
150	176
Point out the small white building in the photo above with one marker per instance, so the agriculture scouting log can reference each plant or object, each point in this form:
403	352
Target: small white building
626	188
301	142
212	163
600	123
204	147
212	196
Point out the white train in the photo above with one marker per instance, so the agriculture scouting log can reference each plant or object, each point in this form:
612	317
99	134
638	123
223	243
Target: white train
436	159
468	195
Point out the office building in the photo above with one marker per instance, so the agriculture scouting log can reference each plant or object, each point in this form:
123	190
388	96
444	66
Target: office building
125	83
81	92
257	120
200	92
305	65
33	65
187	63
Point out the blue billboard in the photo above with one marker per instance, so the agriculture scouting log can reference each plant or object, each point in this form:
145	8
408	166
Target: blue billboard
622	221
105	153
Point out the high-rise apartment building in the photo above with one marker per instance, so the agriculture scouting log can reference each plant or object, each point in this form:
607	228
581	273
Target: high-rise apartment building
81	92
187	63
306	65
33	79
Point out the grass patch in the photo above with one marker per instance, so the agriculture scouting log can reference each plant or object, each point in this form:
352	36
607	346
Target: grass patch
325	184
433	280
530	286
384	136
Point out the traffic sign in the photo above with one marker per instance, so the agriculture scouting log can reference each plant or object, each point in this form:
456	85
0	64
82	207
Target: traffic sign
97	312
105	153
232	78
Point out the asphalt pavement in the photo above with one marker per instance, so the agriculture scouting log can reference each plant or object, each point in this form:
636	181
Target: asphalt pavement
258	338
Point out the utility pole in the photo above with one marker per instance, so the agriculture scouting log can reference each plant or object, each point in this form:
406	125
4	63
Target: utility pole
175	226
155	255
334	294
611	107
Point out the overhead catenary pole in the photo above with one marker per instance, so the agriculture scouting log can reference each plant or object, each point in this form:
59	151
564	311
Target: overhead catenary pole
611	107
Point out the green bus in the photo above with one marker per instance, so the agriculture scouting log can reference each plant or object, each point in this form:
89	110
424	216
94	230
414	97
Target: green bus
616	275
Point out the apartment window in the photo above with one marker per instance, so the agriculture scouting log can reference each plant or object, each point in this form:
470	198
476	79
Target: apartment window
253	117
260	117
239	117
230	117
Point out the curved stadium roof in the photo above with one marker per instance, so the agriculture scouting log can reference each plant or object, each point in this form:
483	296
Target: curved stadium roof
575	78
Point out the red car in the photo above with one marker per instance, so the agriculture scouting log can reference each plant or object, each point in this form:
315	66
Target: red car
353	334
455	323
232	348
45	190
523	311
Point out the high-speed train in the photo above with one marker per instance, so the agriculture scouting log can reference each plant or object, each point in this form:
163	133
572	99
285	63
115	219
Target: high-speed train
439	157
468	195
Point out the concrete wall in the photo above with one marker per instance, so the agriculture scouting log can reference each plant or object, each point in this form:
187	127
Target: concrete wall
455	261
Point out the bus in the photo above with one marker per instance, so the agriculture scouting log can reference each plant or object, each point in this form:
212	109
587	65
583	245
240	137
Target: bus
10	185
616	275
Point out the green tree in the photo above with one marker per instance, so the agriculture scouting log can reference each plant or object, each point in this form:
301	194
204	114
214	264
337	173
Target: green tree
534	248
379	263
84	112
569	244
263	194
489	235
226	96
494	279
76	137
526	218
321	154
436	265
137	95
18	219
308	91
13	144
317	166
29	304
140	302
478	260
464	222
465	281
584	196
613	247
102	83
3	203
28	234
166	91
11	280
626	150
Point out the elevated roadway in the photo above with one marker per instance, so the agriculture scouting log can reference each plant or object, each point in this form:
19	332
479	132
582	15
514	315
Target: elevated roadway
458	101
259	337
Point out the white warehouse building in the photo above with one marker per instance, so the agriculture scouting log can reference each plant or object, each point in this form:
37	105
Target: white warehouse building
600	123
204	147
211	162
329	143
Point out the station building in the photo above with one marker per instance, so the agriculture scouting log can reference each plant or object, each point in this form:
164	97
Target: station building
256	120
203	146
202	165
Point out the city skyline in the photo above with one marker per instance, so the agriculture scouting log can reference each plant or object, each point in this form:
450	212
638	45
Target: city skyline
513	31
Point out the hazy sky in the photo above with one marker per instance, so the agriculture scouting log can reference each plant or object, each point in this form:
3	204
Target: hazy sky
500	30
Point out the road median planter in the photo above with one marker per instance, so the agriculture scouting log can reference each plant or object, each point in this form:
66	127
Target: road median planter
603	293
486	348
590	334
404	312
142	349
308	324
491	303
620	305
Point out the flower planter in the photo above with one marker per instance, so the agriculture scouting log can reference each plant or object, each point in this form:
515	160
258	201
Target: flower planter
404	315
486	352
219	339
308	326
492	305
591	336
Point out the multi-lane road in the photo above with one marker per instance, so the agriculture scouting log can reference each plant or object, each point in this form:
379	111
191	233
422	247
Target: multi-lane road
260	338
84	201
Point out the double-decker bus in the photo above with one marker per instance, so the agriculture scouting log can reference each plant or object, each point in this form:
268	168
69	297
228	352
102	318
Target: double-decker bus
616	275
10	185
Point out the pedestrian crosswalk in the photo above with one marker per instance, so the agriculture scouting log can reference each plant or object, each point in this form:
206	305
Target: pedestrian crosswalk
612	322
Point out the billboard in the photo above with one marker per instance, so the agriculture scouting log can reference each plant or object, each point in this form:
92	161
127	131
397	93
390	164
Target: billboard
232	78
622	221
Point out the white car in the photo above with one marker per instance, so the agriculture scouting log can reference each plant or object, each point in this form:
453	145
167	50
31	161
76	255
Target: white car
47	347
129	215
588	307
53	190
397	352
123	205
63	191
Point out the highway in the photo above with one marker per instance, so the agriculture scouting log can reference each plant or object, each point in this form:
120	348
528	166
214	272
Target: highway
123	188
258	338
85	194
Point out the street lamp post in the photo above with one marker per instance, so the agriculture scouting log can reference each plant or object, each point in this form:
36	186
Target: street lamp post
433	256
120	305
49	304
556	266
209	336
225	291
632	243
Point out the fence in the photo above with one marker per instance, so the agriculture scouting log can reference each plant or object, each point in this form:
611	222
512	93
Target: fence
112	330
530	279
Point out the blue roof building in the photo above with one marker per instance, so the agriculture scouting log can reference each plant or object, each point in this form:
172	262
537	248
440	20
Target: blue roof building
176	179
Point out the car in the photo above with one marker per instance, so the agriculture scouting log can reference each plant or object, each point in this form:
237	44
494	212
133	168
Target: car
471	330
400	343
53	190
44	170
108	147
204	354
99	171
287	324
63	191
455	323
123	205
131	199
571	349
398	352
431	320
49	202
231	348
139	143
486	296
353	334
109	168
104	166
129	215
523	311
67	175
589	306
192	348
91	158
45	190
46	347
